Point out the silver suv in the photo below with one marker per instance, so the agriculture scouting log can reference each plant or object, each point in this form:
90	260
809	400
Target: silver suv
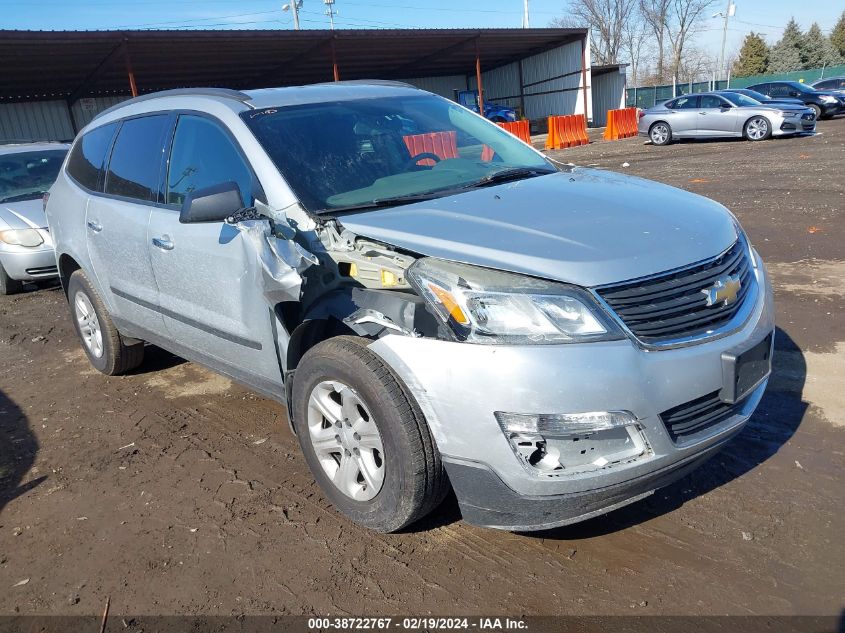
436	302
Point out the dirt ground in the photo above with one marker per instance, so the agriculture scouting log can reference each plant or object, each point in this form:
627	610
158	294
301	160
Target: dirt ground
176	491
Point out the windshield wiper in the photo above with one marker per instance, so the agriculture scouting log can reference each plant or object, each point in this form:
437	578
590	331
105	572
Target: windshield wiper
32	195
383	203
507	175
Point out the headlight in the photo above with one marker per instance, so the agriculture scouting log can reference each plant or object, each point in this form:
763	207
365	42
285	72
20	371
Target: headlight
787	113
21	237
486	306
828	99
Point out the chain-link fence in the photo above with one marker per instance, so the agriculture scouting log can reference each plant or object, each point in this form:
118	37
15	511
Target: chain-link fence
651	95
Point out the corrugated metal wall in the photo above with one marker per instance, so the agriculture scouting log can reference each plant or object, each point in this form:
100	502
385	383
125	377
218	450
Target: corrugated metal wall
84	110
49	120
608	94
443	86
552	80
35	121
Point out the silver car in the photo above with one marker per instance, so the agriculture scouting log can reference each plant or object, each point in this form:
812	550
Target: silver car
26	248
436	303
722	114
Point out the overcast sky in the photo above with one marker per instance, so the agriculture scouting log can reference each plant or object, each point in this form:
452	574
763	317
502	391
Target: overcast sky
764	16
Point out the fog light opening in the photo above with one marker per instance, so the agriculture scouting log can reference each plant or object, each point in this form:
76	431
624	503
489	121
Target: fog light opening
573	443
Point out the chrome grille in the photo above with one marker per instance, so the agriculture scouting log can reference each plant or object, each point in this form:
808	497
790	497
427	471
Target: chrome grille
671	306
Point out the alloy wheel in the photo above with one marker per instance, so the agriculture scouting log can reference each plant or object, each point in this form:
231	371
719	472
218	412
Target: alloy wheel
89	325
757	128
659	134
346	440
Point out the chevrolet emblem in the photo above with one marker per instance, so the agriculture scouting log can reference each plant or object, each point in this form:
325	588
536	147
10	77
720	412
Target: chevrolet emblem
723	291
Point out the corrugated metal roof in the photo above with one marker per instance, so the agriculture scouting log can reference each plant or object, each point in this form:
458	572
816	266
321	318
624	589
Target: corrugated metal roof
73	64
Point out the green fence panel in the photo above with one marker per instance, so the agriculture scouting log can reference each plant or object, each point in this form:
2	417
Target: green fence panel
651	95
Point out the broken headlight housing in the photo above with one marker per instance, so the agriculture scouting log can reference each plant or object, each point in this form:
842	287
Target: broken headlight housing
488	306
571	443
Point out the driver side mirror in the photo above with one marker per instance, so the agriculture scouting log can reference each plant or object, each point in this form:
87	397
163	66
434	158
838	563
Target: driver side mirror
211	204
793	93
726	106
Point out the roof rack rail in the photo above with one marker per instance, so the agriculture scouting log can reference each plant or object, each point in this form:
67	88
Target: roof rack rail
225	93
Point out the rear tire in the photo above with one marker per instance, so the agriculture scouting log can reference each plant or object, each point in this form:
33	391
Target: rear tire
660	133
9	286
99	337
340	388
757	128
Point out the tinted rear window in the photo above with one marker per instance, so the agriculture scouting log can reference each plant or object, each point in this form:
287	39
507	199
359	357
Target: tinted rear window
88	155
136	158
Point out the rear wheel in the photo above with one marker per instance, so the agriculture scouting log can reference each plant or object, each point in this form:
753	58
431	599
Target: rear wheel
364	437
660	133
9	286
100	339
757	128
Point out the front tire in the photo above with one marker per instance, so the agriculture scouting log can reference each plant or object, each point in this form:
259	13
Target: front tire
816	110
100	339
9	286
757	128
660	133
364	437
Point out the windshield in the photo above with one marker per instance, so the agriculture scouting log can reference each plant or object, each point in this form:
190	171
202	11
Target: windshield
740	99
373	152
28	175
756	95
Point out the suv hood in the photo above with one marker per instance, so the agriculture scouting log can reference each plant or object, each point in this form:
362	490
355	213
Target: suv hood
27	214
586	226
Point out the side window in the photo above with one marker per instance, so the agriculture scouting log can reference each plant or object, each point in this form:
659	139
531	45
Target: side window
686	103
135	162
779	90
710	101
763	89
88	156
203	155
826	85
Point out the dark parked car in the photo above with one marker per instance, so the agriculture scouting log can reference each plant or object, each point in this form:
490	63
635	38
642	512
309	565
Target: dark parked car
831	84
764	99
824	103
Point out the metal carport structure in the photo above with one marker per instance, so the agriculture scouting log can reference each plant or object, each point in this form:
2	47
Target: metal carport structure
542	71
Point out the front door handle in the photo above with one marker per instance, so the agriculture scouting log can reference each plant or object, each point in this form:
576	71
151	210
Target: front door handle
163	243
95	226
702	113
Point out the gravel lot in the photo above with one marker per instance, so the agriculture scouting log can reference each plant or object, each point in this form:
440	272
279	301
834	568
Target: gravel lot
176	491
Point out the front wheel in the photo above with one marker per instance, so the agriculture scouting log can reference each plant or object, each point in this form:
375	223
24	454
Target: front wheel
364	437
9	286
660	133
816	110
758	128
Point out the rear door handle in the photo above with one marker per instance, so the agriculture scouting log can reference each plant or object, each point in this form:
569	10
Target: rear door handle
95	226
163	243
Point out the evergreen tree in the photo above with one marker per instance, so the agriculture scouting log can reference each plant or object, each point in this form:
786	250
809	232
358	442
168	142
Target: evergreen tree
788	53
837	36
753	57
818	49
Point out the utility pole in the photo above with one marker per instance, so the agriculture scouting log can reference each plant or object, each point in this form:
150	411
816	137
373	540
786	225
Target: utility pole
294	8
330	11
525	22
728	13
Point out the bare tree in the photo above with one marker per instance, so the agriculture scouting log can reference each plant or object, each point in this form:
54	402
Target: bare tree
606	19
684	20
655	13
636	44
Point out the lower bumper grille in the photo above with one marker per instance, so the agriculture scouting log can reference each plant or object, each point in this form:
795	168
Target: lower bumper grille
697	415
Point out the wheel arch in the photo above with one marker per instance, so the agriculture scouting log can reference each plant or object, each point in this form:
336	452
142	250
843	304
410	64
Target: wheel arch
754	116
67	266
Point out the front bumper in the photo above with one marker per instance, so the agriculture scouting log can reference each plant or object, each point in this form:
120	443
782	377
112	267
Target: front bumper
459	386
29	264
795	125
